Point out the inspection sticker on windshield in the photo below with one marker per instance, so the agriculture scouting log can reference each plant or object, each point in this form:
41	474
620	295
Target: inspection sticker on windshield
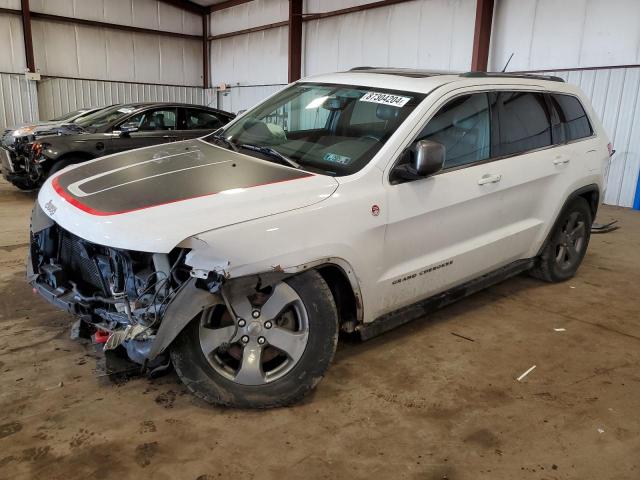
385	99
335	158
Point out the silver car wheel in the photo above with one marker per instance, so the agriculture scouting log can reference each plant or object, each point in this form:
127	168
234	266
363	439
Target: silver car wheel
263	343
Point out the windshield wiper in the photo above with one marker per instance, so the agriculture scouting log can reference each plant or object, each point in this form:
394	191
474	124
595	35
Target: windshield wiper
273	153
229	144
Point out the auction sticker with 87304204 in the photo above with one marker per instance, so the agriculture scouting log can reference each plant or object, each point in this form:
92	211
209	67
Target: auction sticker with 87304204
385	99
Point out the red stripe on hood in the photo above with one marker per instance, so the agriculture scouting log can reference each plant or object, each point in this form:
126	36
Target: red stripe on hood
85	208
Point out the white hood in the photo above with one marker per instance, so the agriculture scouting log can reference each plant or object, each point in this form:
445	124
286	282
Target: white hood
153	198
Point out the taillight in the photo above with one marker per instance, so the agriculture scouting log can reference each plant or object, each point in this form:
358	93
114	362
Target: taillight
611	150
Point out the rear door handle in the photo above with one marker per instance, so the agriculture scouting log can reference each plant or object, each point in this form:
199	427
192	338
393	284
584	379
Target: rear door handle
489	178
561	160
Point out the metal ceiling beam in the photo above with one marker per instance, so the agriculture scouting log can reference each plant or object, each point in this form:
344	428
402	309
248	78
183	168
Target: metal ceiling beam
114	26
11	11
188	6
358	8
305	17
249	30
28	38
482	35
228	4
295	40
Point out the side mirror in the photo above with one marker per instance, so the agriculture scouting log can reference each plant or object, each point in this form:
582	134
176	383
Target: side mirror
426	157
128	128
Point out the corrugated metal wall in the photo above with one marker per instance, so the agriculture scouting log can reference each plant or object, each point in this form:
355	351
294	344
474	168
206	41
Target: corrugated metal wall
18	100
60	95
123	66
614	96
552	34
67	50
435	34
257	62
253	65
243	97
138	13
12	44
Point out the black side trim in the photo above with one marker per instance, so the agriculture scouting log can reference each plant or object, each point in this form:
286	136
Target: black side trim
431	304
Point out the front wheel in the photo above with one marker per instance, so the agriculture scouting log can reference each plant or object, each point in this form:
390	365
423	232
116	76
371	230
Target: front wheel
567	244
274	353
60	164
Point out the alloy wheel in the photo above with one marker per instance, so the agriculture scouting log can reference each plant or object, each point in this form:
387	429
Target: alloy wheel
572	240
263	343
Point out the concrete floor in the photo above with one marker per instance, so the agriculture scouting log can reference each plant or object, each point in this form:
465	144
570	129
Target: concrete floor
417	403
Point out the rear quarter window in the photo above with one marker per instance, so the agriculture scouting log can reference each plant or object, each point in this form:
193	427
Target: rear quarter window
573	118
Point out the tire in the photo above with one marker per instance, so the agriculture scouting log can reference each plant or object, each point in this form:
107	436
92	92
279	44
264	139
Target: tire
60	164
567	243
25	185
210	375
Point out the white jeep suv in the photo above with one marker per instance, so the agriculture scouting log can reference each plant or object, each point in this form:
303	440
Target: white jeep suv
353	201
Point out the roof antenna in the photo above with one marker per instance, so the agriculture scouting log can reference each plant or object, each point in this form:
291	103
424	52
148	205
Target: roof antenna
507	64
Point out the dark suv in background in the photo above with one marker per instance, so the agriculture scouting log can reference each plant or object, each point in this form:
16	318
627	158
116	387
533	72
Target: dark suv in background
111	130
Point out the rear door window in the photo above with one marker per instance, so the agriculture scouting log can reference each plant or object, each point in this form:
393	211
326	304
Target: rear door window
151	120
573	118
524	122
197	119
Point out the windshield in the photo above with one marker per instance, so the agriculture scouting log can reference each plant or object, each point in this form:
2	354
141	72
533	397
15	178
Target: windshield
331	129
69	115
105	116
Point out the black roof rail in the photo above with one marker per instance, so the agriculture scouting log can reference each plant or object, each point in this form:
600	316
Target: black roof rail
550	78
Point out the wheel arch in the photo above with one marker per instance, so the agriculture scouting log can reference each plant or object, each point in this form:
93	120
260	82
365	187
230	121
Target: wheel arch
76	155
590	193
347	298
344	286
191	300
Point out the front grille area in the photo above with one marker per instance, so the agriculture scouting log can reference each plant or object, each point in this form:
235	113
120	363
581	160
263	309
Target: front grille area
78	261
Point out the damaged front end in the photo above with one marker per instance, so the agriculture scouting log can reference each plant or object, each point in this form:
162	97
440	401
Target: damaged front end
22	164
120	296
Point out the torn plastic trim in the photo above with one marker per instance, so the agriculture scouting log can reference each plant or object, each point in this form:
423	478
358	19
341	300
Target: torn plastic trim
39	221
202	264
191	299
188	302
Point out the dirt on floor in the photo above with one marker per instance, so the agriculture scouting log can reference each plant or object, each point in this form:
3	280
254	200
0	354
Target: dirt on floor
436	399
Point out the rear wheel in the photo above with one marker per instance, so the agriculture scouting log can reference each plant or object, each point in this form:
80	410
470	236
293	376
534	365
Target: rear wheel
567	245
274	352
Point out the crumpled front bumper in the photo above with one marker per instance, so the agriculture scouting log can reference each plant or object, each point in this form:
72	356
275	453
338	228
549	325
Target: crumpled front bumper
6	161
13	167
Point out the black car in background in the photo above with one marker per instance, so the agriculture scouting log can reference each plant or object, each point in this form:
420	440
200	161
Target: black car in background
111	130
15	140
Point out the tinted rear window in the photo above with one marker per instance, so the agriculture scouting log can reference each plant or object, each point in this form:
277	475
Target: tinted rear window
524	122
573	118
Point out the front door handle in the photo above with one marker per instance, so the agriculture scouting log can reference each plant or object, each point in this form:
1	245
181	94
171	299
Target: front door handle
489	178
561	160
